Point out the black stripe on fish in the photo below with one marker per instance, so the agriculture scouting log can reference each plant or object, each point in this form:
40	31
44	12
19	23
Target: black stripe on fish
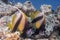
13	12
17	24
24	35
1	16
37	19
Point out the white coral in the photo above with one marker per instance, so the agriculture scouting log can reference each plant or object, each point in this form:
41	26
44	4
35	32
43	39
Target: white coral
28	6
46	8
19	5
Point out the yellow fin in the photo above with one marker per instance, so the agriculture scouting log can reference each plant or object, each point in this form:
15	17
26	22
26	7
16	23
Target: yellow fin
34	14
11	24
38	24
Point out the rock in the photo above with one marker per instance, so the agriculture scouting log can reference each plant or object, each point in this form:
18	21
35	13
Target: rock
46	8
19	5
28	7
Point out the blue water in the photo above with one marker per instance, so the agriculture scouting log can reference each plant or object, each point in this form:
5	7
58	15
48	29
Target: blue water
38	3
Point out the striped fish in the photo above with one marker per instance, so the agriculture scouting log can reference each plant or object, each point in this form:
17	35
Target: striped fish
18	22
37	18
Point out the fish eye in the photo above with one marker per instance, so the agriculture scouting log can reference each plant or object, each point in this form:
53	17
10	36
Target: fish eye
28	2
